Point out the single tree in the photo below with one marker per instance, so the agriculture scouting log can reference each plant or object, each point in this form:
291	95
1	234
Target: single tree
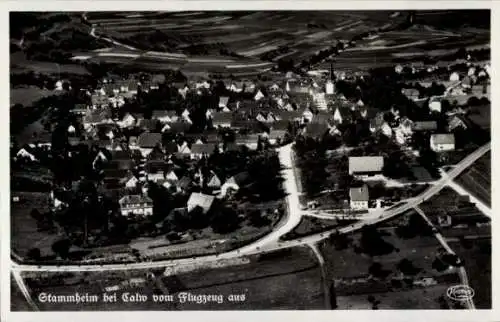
61	248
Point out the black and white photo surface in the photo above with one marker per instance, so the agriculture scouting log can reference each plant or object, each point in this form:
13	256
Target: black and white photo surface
250	160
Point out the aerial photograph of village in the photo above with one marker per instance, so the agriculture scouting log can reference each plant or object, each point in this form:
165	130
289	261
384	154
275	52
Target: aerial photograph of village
250	160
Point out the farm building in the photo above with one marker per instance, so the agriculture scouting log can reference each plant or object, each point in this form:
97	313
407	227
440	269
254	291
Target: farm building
424	126
435	106
361	166
442	142
411	93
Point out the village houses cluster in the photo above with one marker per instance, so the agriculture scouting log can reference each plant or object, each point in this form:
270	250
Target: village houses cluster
265	115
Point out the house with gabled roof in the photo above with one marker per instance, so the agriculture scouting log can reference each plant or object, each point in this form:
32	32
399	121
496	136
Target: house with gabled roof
128	120
26	153
249	140
60	198
411	93
148	125
222	119
420	126
406	123
184	184
235	183
95	117
176	127
121	160
183	91
136	205
265	117
315	130
147	141
457	122
213	181
183	149
164	116
288	115
259	95
248	87
201	200
199	151
236	87
115	179
131	182
386	129
172	176
274	87
170	148
307	114
359	197
223	100
154	170
132	143
442	142
185	113
43	140
157	154
435	105
101	157
341	114
377	122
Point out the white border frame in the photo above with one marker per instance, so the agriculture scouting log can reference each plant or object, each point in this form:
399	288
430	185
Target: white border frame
231	316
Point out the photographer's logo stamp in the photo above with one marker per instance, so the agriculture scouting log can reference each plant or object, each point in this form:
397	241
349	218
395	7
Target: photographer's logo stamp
460	293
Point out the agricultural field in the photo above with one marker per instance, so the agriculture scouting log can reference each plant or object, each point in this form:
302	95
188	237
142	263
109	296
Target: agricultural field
294	272
411	299
295	36
476	255
24	228
461	212
481	116
249	37
477	179
26	96
380	268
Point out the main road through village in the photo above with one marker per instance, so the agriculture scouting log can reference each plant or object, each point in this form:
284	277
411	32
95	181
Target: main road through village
272	241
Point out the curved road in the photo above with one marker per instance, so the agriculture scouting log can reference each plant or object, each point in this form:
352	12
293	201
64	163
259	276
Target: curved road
271	241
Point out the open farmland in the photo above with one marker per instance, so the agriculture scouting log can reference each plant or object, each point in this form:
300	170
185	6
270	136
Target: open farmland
25	233
293	273
476	256
26	96
449	203
297	36
477	179
364	276
250	36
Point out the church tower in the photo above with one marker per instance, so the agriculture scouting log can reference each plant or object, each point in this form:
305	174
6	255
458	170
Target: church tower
330	84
